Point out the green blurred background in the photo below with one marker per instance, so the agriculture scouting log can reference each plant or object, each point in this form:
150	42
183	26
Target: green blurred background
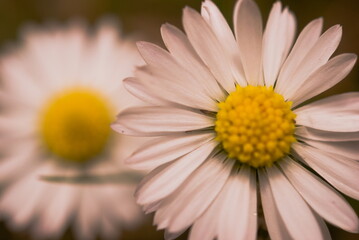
142	20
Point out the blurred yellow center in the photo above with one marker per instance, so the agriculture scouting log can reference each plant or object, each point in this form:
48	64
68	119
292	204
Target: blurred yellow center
255	125
75	125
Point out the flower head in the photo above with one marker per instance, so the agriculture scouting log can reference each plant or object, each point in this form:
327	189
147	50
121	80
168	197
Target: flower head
226	110
60	91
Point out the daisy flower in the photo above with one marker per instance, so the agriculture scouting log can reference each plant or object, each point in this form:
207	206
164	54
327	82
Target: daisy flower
60	90
231	128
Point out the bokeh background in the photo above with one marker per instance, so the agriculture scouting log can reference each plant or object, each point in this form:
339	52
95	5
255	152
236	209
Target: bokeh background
141	20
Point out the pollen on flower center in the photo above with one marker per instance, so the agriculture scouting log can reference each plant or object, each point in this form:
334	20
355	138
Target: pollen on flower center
255	125
74	125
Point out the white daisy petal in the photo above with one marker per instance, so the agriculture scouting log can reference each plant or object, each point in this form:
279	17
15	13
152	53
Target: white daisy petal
164	86
15	164
145	121
28	188
160	185
347	149
248	30
328	136
180	47
109	230
205	227
337	170
320	196
171	236
187	213
126	214
166	149
9	204
89	214
277	40
14	125
223	114
316	57
62	206
182	207
323	227
307	38
325	114
276	227
104	56
230	211
271	41
220	27
238	216
21	219
66	76
161	59
202	38
325	77
290	31
348	100
19	81
149	208
134	86
289	204
130	214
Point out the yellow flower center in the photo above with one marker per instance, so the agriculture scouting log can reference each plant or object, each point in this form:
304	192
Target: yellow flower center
255	125
75	125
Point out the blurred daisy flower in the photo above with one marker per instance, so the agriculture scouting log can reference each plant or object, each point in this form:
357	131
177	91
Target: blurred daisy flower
228	115
60	91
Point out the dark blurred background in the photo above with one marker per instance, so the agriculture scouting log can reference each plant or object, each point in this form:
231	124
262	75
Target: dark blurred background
142	20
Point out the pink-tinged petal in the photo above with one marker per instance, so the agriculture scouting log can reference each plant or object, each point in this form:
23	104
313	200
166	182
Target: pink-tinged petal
137	89
18	163
289	203
201	199
179	210
336	113
167	148
316	57
154	121
128	212
164	65
323	227
169	87
206	226
320	196
227	217
208	48
349	101
328	136
277	39
19	124
180	47
108	230
347	149
173	235
325	77
223	32
12	199
169	179
248	30
23	201
276	227
21	81
87	222
305	41
62	205
339	171
238	216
